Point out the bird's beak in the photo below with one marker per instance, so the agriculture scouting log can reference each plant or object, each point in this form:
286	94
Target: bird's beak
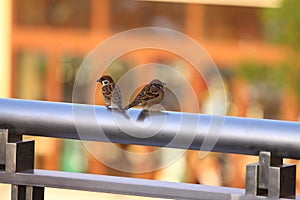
164	83
98	80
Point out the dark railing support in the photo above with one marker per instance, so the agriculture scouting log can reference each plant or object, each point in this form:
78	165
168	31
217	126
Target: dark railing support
271	178
18	156
18	192
4	139
35	193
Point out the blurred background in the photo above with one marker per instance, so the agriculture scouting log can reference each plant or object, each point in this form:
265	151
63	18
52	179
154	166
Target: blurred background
255	45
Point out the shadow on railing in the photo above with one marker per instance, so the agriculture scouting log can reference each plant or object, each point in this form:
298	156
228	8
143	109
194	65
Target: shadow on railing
271	140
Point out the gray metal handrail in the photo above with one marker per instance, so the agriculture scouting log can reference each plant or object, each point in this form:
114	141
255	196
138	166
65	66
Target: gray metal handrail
121	185
272	140
177	130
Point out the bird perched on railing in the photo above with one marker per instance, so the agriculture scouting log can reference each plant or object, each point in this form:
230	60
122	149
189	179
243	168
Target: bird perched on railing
111	92
152	93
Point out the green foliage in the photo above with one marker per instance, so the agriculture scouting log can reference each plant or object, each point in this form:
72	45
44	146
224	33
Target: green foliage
292	75
283	24
250	70
281	76
254	71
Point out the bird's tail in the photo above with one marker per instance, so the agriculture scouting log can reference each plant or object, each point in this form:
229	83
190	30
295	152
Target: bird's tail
134	103
117	105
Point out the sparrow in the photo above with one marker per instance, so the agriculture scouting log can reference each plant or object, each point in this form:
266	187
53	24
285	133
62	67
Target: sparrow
152	93
111	92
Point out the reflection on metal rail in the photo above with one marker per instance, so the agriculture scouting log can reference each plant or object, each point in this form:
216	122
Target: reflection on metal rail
178	130
270	139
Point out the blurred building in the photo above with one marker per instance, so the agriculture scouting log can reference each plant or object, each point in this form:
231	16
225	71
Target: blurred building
50	38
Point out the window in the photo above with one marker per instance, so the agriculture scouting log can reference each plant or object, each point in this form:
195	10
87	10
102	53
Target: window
30	75
126	15
57	13
227	22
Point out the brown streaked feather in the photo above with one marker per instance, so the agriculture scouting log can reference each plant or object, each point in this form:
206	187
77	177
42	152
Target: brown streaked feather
116	97
107	91
149	92
111	92
112	95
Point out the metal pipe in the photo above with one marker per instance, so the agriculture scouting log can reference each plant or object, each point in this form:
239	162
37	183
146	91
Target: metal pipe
165	129
121	185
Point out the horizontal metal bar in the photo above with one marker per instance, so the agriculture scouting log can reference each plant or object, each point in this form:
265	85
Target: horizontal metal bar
166	129
119	185
126	186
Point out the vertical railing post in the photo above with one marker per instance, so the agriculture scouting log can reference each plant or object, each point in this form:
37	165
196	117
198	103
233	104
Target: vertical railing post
4	139
18	156
35	193
270	177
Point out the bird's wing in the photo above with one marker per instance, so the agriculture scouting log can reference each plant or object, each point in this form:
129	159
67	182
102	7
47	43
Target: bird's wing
116	96
147	93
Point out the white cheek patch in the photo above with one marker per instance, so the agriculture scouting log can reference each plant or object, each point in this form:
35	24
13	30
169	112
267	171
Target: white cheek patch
104	83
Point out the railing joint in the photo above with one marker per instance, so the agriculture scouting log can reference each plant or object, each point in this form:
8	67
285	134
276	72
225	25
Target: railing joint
18	156
271	178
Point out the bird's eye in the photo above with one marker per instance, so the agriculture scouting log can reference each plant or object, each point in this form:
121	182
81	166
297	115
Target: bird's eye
106	82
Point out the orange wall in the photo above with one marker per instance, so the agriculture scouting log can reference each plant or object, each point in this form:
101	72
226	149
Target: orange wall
5	16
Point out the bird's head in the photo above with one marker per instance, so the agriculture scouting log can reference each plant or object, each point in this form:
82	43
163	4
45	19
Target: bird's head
105	80
158	83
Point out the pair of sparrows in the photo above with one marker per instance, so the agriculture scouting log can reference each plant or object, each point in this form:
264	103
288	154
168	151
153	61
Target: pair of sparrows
152	93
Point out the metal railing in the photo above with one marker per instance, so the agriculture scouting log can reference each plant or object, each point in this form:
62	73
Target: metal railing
270	139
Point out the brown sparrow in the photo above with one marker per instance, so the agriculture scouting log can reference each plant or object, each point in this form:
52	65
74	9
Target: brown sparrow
111	92
152	93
